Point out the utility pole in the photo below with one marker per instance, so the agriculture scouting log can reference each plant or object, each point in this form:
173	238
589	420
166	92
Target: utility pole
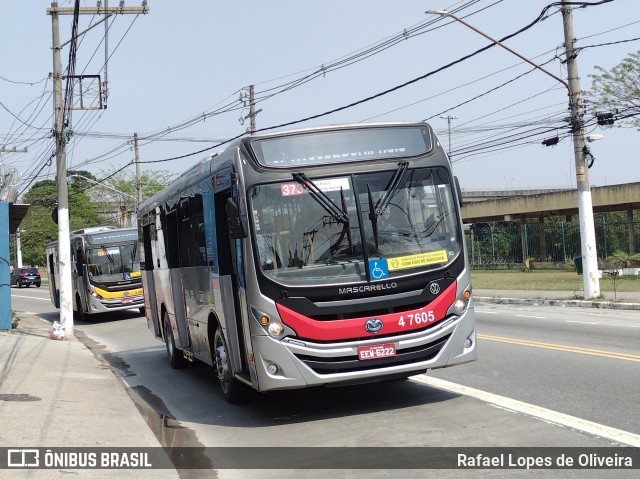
18	250
138	173
591	280
64	253
64	242
449	118
252	109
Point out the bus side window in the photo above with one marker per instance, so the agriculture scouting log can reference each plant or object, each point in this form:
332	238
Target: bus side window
199	239
225	264
171	238
185	234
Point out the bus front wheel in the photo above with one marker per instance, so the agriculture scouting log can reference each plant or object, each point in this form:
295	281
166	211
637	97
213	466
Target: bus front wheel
231	388
176	359
79	312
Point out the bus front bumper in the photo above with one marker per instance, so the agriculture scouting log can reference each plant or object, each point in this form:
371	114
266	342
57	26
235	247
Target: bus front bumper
292	363
114	304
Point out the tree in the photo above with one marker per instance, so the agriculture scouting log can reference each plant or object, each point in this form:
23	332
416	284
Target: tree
622	259
38	228
117	197
618	89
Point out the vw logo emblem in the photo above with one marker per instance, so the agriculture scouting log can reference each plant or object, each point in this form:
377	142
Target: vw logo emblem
434	288
373	325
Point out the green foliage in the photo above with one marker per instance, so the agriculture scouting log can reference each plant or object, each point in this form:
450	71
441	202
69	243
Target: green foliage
125	182
38	228
621	259
86	202
119	190
14	319
618	88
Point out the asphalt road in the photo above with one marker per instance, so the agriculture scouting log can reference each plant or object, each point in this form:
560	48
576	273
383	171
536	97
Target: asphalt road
565	359
577	361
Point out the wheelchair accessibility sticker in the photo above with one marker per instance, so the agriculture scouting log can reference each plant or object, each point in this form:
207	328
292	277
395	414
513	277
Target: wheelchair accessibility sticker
378	269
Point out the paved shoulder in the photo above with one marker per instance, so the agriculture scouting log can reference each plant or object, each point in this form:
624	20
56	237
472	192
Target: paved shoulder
58	394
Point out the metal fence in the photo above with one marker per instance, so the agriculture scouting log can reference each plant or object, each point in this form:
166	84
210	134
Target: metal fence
510	243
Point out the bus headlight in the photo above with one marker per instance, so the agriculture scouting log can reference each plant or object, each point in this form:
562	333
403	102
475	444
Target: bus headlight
459	306
95	295
275	328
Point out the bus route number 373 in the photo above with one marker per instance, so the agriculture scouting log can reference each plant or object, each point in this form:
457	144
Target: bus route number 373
424	317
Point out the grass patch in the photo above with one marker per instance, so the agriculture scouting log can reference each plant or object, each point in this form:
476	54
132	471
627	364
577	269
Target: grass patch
546	280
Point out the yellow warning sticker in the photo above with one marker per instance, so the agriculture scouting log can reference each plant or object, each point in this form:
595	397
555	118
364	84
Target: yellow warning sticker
415	260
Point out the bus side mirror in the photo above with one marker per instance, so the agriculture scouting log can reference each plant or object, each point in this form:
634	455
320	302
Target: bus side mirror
238	227
458	191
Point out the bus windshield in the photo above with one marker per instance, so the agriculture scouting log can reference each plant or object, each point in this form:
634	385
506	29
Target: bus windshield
110	264
406	218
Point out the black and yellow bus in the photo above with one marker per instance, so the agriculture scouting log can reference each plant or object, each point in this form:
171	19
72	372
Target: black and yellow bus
105	271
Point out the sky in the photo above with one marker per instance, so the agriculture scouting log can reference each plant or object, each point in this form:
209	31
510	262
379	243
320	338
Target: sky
175	77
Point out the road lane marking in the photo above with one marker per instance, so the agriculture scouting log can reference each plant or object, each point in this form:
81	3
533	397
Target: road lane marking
532	317
581	322
545	414
563	347
29	297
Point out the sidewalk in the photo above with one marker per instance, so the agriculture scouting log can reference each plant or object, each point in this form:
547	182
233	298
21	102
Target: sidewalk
58	394
621	300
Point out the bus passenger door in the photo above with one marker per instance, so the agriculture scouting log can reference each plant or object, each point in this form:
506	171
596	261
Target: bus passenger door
177	291
149	241
54	292
78	278
231	286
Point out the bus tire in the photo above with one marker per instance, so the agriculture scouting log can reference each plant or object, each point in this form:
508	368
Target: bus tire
176	359
79	312
231	387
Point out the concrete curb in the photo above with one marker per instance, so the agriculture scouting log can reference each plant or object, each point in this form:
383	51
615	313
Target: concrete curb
560	302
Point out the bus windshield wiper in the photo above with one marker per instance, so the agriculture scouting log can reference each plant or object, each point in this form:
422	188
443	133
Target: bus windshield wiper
322	199
390	190
337	213
385	199
106	252
372	216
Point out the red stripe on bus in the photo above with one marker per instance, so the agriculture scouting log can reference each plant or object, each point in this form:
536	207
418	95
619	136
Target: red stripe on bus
341	329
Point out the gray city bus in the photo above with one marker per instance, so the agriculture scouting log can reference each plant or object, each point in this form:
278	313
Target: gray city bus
316	257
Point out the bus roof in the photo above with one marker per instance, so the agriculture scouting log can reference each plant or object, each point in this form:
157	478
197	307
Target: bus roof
98	235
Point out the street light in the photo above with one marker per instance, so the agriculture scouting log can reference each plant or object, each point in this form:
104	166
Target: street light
133	220
591	280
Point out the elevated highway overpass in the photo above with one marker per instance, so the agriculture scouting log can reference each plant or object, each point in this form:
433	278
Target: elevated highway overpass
521	205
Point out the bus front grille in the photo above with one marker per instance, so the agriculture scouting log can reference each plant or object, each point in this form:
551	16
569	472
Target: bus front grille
345	364
136	303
